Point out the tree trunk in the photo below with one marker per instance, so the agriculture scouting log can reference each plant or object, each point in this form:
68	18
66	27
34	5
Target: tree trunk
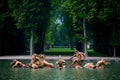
84	33
71	44
39	48
79	46
31	42
0	47
114	49
42	42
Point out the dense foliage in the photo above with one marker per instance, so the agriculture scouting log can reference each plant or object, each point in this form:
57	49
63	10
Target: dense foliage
50	23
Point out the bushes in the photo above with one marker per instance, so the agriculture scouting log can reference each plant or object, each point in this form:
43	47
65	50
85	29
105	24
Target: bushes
69	52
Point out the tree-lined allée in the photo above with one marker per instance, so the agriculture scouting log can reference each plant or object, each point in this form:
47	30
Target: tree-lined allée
37	25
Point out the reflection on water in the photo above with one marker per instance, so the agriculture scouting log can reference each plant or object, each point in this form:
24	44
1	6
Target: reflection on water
111	72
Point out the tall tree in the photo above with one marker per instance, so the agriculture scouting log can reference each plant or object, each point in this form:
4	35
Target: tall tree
32	16
80	11
109	15
67	22
10	35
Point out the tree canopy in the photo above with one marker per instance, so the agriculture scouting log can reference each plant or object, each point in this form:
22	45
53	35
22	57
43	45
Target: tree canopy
60	23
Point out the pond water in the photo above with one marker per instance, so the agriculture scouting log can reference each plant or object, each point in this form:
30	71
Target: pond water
111	72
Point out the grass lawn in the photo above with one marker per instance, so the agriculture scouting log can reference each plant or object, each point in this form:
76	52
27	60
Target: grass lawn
68	51
59	50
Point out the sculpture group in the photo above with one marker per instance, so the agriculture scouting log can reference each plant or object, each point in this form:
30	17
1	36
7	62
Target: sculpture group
40	61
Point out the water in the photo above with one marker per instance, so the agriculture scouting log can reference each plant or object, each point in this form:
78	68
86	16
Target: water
111	72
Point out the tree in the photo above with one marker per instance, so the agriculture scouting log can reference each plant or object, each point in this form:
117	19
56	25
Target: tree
108	18
32	16
80	11
67	22
10	35
57	29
